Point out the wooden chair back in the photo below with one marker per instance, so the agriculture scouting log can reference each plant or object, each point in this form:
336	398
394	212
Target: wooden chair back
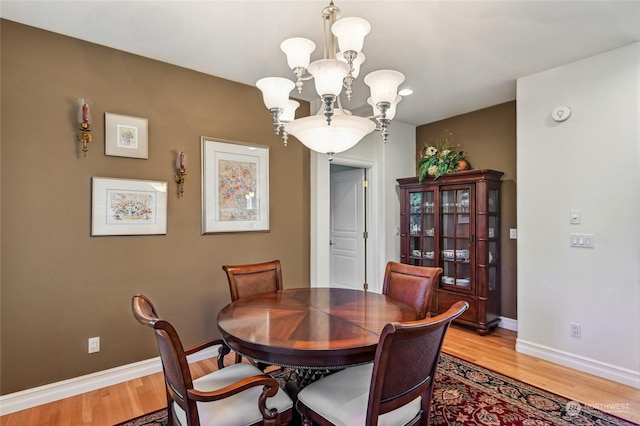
174	360
405	363
250	279
411	284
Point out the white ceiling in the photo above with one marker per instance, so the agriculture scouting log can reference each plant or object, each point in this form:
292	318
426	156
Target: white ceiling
457	56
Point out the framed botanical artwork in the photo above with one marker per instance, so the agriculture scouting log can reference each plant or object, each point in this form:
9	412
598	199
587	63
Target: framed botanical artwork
126	136
235	186
128	207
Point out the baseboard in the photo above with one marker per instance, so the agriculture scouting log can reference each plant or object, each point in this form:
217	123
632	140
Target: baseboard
508	323
587	365
29	398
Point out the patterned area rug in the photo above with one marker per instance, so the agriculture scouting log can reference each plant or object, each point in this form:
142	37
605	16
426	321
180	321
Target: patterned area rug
468	395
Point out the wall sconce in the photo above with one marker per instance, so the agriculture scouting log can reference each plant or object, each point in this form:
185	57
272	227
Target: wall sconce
84	118
181	164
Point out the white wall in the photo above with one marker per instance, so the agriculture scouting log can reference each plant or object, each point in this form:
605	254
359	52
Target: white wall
591	163
388	162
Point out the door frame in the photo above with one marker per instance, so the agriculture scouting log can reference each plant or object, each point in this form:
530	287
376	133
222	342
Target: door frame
320	256
357	176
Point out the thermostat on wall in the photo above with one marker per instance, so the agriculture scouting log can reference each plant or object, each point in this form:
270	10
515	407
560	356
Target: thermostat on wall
561	113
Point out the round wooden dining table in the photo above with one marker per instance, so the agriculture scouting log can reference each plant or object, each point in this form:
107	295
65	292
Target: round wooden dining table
310	328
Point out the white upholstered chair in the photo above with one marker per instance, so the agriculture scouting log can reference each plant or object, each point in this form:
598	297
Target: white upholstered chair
238	394
395	389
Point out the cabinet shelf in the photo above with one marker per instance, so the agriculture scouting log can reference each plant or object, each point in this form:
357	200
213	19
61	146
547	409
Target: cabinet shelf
460	212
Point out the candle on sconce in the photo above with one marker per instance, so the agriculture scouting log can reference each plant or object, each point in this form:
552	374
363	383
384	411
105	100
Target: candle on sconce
181	159
85	113
181	165
84	116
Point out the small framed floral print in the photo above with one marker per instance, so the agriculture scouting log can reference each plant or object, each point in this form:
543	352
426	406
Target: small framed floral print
126	136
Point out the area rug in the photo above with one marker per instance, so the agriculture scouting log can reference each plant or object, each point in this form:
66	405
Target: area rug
466	395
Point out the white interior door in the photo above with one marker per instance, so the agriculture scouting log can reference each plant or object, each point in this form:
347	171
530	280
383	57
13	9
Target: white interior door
347	251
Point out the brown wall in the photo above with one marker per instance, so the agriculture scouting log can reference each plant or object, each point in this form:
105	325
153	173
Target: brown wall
61	286
488	136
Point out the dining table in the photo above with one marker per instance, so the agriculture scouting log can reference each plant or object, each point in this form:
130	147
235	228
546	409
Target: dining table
313	330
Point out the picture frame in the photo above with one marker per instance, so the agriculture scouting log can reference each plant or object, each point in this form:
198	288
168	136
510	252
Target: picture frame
126	136
128	207
235	186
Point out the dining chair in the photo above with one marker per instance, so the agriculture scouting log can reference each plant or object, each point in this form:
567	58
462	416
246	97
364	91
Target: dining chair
411	284
254	278
247	280
235	394
396	389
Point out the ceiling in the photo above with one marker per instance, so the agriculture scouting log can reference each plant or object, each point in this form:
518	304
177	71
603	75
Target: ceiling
457	56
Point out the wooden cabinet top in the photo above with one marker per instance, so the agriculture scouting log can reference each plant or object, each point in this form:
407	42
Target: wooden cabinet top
456	177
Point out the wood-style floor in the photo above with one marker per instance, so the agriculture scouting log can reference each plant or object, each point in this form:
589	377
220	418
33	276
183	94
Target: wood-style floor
496	351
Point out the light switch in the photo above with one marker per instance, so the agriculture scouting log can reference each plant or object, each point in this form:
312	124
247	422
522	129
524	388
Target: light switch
513	233
574	240
581	240
588	240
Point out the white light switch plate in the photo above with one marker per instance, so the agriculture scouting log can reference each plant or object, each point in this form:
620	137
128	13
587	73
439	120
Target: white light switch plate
513	233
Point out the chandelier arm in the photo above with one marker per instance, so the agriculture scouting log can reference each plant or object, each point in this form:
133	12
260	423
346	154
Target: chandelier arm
339	102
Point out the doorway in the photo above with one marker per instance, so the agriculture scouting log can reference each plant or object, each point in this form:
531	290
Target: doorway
349	261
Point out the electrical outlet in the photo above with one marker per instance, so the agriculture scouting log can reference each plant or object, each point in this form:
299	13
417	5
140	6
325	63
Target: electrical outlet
94	344
576	330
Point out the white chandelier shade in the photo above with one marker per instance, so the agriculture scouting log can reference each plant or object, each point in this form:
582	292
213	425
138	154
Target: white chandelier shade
384	85
351	33
344	132
328	75
298	51
275	91
289	112
333	129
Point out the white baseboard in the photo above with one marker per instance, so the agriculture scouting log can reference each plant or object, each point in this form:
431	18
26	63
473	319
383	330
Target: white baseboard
29	398
508	323
33	397
587	365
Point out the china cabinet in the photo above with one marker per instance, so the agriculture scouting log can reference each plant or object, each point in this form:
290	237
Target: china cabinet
453	222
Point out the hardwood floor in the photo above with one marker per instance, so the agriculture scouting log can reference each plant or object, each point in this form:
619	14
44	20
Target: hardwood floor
495	351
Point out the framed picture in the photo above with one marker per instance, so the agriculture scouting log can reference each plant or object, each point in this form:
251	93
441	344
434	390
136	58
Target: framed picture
126	136
128	207
235	187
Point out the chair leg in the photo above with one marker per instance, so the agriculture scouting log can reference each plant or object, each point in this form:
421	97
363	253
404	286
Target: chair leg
222	352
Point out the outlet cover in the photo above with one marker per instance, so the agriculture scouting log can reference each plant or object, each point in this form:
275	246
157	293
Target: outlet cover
576	330
94	344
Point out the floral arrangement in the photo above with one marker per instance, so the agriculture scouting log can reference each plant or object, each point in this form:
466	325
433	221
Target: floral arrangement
439	159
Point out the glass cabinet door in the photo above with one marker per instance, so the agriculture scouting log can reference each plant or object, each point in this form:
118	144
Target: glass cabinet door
493	239
456	247
422	228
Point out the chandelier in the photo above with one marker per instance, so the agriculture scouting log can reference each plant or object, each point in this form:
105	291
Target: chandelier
333	129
